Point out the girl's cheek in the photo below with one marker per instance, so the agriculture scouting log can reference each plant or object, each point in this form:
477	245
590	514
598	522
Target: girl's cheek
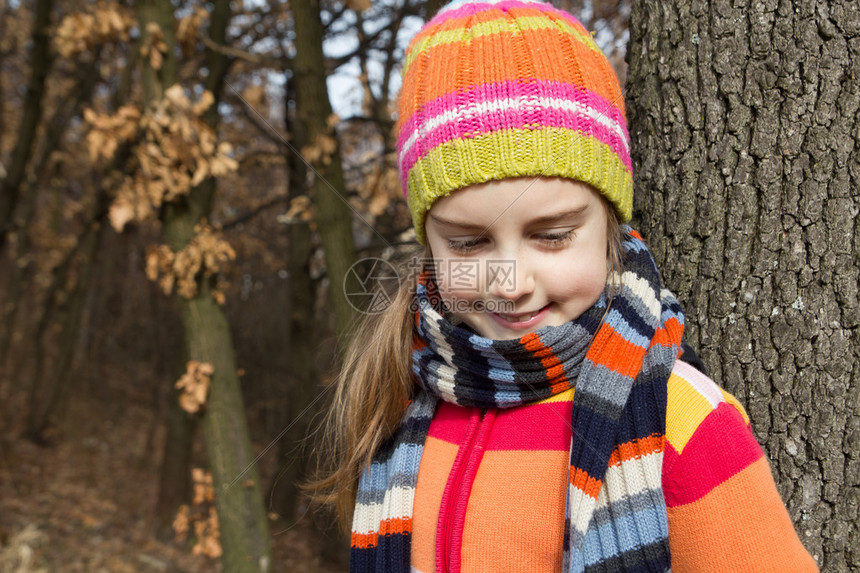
459	277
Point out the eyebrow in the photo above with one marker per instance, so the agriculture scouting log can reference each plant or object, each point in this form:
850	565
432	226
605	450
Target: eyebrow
537	221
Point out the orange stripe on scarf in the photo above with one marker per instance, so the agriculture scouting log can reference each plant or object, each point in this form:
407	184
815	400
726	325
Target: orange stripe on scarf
396	526
548	360
580	479
624	357
636	449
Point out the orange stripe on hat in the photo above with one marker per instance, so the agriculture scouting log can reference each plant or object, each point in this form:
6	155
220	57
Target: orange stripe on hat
486	65
461	59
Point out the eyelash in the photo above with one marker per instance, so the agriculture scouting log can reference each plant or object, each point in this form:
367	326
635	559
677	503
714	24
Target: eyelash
547	239
464	247
556	239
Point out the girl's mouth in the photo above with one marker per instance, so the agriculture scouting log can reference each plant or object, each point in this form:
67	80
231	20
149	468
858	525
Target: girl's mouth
520	320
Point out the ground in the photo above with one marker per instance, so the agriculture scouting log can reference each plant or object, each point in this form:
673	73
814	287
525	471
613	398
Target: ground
85	502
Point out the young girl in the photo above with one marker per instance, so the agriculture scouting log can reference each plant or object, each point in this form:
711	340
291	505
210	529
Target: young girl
521	405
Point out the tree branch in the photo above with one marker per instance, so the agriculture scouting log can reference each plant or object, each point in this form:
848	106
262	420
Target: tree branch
254	212
237	54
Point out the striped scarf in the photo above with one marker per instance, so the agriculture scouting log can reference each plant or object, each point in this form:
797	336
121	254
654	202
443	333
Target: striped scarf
619	359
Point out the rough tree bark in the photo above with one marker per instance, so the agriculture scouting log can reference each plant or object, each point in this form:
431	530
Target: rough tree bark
238	498
744	120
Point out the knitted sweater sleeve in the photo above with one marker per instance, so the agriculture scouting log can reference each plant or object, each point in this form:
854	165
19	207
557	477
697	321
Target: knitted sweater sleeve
725	513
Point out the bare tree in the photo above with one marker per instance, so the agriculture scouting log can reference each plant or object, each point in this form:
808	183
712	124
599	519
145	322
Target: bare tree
313	111
242	519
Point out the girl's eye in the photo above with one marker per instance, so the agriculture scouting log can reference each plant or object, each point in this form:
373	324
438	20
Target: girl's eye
465	246
555	239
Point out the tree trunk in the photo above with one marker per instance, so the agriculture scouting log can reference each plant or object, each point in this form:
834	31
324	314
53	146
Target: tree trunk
238	499
174	477
47	398
20	251
433	6
40	63
4	18
313	110
744	125
300	385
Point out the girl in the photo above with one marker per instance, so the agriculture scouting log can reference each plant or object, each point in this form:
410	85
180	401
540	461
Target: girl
521	405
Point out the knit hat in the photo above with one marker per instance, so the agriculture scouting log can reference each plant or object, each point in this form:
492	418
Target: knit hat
497	89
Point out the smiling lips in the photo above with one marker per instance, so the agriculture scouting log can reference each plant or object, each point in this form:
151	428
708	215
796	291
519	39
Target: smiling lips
520	320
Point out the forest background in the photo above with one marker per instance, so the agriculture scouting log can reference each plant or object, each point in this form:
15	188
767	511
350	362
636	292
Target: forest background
180	208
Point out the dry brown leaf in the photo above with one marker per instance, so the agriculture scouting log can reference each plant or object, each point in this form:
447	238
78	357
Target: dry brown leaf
321	150
177	152
378	205
194	385
175	95
159	261
205	102
112	21
108	131
359	5
218	296
301	209
120	214
153	47
203	517
254	95
204	492
208	537
188	30
181	523
74	34
97	145
200	174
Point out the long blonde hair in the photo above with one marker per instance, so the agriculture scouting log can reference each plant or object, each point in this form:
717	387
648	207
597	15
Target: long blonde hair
371	393
376	383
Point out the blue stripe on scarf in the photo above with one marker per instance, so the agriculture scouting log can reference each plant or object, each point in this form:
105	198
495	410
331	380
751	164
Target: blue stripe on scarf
624	533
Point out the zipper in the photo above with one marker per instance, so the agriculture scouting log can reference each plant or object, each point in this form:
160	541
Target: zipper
455	499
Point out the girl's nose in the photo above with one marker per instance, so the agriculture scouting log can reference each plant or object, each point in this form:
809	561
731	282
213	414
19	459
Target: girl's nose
509	279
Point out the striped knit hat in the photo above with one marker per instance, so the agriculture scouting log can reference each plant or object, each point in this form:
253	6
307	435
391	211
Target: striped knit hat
496	89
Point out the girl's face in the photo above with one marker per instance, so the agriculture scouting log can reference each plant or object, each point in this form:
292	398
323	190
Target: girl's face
516	255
